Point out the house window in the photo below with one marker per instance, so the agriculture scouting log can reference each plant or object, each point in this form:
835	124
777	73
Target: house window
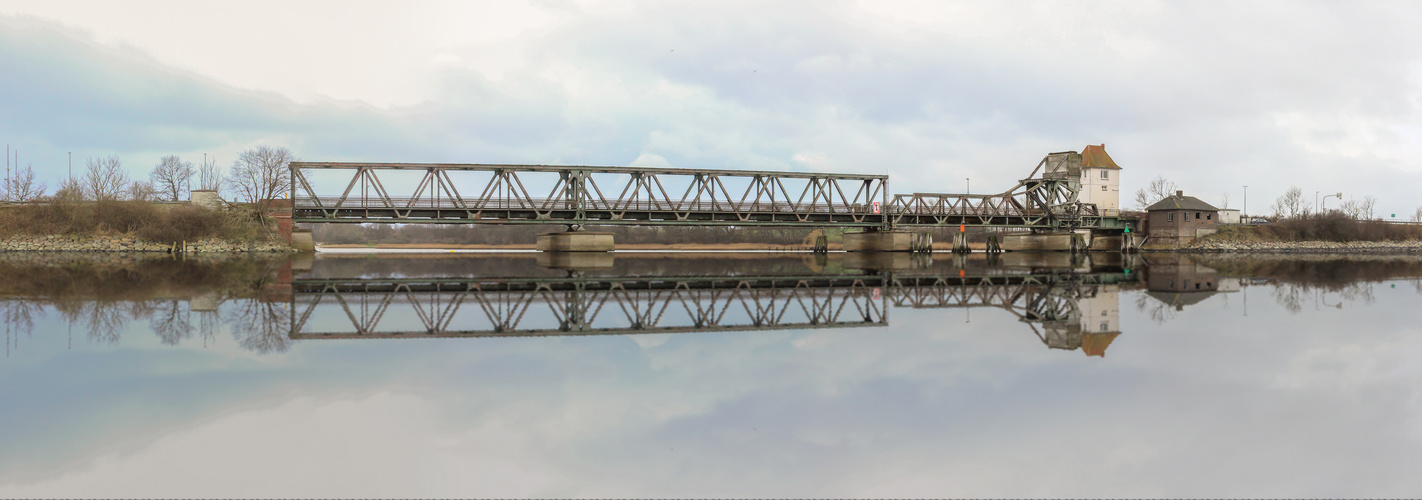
1170	217
1208	216
1105	326
1197	215
1104	174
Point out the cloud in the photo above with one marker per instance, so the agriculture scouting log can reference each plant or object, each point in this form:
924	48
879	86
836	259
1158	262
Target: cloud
1214	97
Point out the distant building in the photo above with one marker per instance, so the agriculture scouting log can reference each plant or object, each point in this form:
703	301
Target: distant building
1100	180
1177	220
1229	216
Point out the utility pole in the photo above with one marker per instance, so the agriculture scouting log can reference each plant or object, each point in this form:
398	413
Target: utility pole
1246	201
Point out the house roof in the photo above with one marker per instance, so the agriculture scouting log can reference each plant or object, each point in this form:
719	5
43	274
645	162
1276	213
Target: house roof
1095	157
1095	344
1181	202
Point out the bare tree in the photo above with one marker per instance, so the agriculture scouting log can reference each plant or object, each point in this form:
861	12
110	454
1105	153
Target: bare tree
1290	204
210	175
1224	199
22	186
1417	216
105	178
171	178
1359	209
1157	190
1348	208
261	173
141	191
70	190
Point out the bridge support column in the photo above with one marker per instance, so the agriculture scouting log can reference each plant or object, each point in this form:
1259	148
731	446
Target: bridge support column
1049	242
878	241
994	244
1106	242
302	240
575	241
960	243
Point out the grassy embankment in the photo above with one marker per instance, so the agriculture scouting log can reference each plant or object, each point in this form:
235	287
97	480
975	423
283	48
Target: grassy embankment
137	219
1332	228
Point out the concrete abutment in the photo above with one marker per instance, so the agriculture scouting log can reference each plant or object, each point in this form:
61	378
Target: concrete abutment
575	241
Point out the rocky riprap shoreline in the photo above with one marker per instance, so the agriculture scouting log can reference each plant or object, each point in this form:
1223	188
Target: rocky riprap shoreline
56	243
1352	247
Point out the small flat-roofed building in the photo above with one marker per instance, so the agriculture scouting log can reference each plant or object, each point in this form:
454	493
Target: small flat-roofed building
1177	220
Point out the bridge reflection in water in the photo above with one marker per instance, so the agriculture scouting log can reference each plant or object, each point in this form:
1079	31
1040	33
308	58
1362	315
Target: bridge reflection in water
1067	307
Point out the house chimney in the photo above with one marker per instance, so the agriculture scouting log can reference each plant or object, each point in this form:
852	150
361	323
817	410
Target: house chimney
1180	194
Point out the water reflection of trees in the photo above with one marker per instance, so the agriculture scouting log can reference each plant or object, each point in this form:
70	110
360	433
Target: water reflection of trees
1159	311
254	324
104	294
172	322
260	326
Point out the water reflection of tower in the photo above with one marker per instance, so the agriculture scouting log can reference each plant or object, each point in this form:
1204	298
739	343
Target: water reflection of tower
1100	319
1085	317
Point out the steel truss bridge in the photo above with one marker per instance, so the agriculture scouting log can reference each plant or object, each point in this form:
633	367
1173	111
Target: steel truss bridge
405	193
516	307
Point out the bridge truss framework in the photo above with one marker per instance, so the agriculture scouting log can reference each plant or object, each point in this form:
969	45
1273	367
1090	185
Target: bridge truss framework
588	195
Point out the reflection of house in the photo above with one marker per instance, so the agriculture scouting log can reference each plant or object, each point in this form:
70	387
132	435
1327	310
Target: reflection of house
1177	220
1100	180
1179	282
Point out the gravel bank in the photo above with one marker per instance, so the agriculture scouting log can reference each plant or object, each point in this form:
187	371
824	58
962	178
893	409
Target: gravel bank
1352	247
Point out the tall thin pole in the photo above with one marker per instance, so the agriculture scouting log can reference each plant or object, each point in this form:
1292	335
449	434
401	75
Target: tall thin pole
1246	200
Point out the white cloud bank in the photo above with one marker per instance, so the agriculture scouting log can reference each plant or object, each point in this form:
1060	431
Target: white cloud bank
1214	96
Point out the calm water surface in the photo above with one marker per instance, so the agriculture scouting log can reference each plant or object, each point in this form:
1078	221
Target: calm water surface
711	375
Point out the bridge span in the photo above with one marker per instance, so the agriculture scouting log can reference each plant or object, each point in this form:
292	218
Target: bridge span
578	196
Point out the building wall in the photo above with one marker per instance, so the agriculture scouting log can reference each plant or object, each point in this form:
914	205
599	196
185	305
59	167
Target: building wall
1180	223
1105	193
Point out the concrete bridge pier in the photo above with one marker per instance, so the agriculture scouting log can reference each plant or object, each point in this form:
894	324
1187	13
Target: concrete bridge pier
878	241
302	240
575	240
1044	242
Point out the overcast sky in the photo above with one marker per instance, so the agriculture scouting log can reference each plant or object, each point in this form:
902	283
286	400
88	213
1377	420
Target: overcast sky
1214	96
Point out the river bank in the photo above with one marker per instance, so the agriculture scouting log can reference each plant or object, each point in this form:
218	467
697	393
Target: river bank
74	243
1350	247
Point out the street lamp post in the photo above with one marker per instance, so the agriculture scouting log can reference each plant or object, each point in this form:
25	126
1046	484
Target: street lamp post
1335	195
1246	201
969	181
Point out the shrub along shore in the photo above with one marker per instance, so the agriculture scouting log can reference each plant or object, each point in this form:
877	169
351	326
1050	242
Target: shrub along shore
134	226
1325	233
